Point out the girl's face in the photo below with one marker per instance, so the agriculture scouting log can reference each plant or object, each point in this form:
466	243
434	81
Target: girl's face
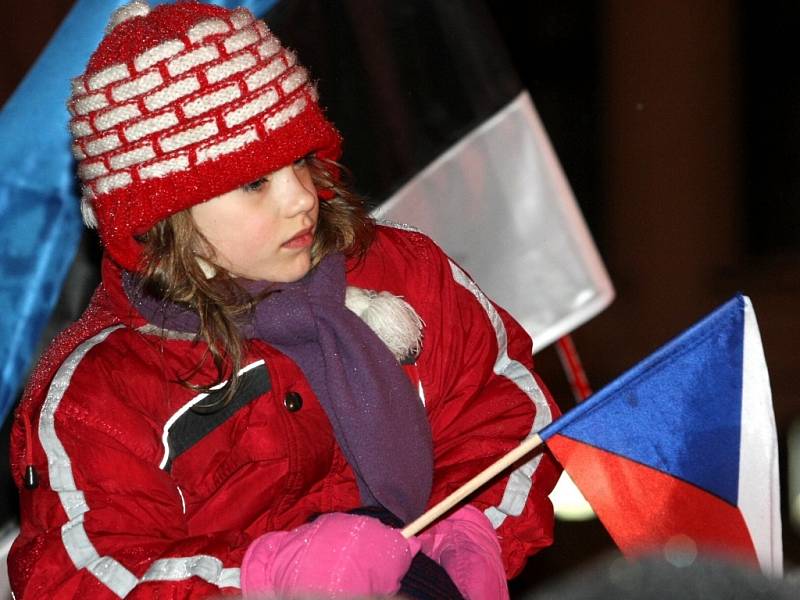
264	230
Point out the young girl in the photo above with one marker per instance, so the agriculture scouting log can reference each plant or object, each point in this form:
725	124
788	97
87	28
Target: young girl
266	383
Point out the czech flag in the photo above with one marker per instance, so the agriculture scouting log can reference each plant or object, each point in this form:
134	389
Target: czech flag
682	449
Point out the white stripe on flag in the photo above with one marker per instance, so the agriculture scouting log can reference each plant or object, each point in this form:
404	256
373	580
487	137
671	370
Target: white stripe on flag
499	204
759	493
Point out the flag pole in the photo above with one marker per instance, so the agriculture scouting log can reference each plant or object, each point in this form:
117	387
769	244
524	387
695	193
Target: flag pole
571	363
473	484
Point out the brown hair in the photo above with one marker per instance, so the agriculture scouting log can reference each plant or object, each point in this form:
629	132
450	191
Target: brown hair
171	272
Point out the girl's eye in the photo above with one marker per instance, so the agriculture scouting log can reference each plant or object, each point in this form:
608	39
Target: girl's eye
300	162
256	185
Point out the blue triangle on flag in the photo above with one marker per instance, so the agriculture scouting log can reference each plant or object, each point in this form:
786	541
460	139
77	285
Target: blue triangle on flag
679	410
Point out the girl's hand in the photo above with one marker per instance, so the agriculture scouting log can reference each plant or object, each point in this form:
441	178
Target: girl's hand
466	546
336	556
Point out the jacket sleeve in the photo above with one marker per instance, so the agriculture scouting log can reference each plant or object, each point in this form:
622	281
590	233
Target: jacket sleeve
105	521
483	399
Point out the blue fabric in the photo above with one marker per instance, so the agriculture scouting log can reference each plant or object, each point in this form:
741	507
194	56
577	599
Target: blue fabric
679	410
39	217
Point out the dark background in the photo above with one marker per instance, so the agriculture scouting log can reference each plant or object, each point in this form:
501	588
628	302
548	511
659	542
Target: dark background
677	123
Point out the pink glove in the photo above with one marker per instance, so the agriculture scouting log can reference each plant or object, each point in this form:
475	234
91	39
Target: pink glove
466	546
336	556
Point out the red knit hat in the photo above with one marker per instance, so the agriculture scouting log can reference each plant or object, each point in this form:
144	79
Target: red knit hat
180	104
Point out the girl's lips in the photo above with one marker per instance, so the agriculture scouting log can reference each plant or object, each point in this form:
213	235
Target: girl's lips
301	240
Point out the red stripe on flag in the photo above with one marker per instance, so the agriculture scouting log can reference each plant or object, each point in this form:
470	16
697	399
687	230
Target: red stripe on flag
644	509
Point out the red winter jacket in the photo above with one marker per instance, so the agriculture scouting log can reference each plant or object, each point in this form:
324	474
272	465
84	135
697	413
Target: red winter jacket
140	497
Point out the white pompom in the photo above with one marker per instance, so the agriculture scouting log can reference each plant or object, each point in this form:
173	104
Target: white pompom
87	212
137	8
391	318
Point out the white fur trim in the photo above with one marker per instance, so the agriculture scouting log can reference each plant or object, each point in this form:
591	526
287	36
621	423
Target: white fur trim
138	8
391	318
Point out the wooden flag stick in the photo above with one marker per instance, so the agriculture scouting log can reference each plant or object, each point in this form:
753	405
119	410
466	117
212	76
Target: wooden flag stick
473	484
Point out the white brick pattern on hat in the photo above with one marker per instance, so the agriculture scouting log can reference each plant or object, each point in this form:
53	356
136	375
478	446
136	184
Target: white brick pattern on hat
78	87
164	167
108	76
92	170
87	104
102	144
211	100
155	55
137	87
241	17
269	48
249	110
226	69
294	80
152	125
283	116
81	127
212	151
129	158
263	76
207	28
167	95
115	116
189	136
200	56
224	86
246	37
113	182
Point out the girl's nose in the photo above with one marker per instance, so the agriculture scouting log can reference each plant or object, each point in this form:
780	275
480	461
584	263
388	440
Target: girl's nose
295	188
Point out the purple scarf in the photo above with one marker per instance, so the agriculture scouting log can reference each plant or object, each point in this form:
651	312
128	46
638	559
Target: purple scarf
374	410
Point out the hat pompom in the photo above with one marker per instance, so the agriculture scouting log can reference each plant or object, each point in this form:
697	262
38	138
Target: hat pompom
137	8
